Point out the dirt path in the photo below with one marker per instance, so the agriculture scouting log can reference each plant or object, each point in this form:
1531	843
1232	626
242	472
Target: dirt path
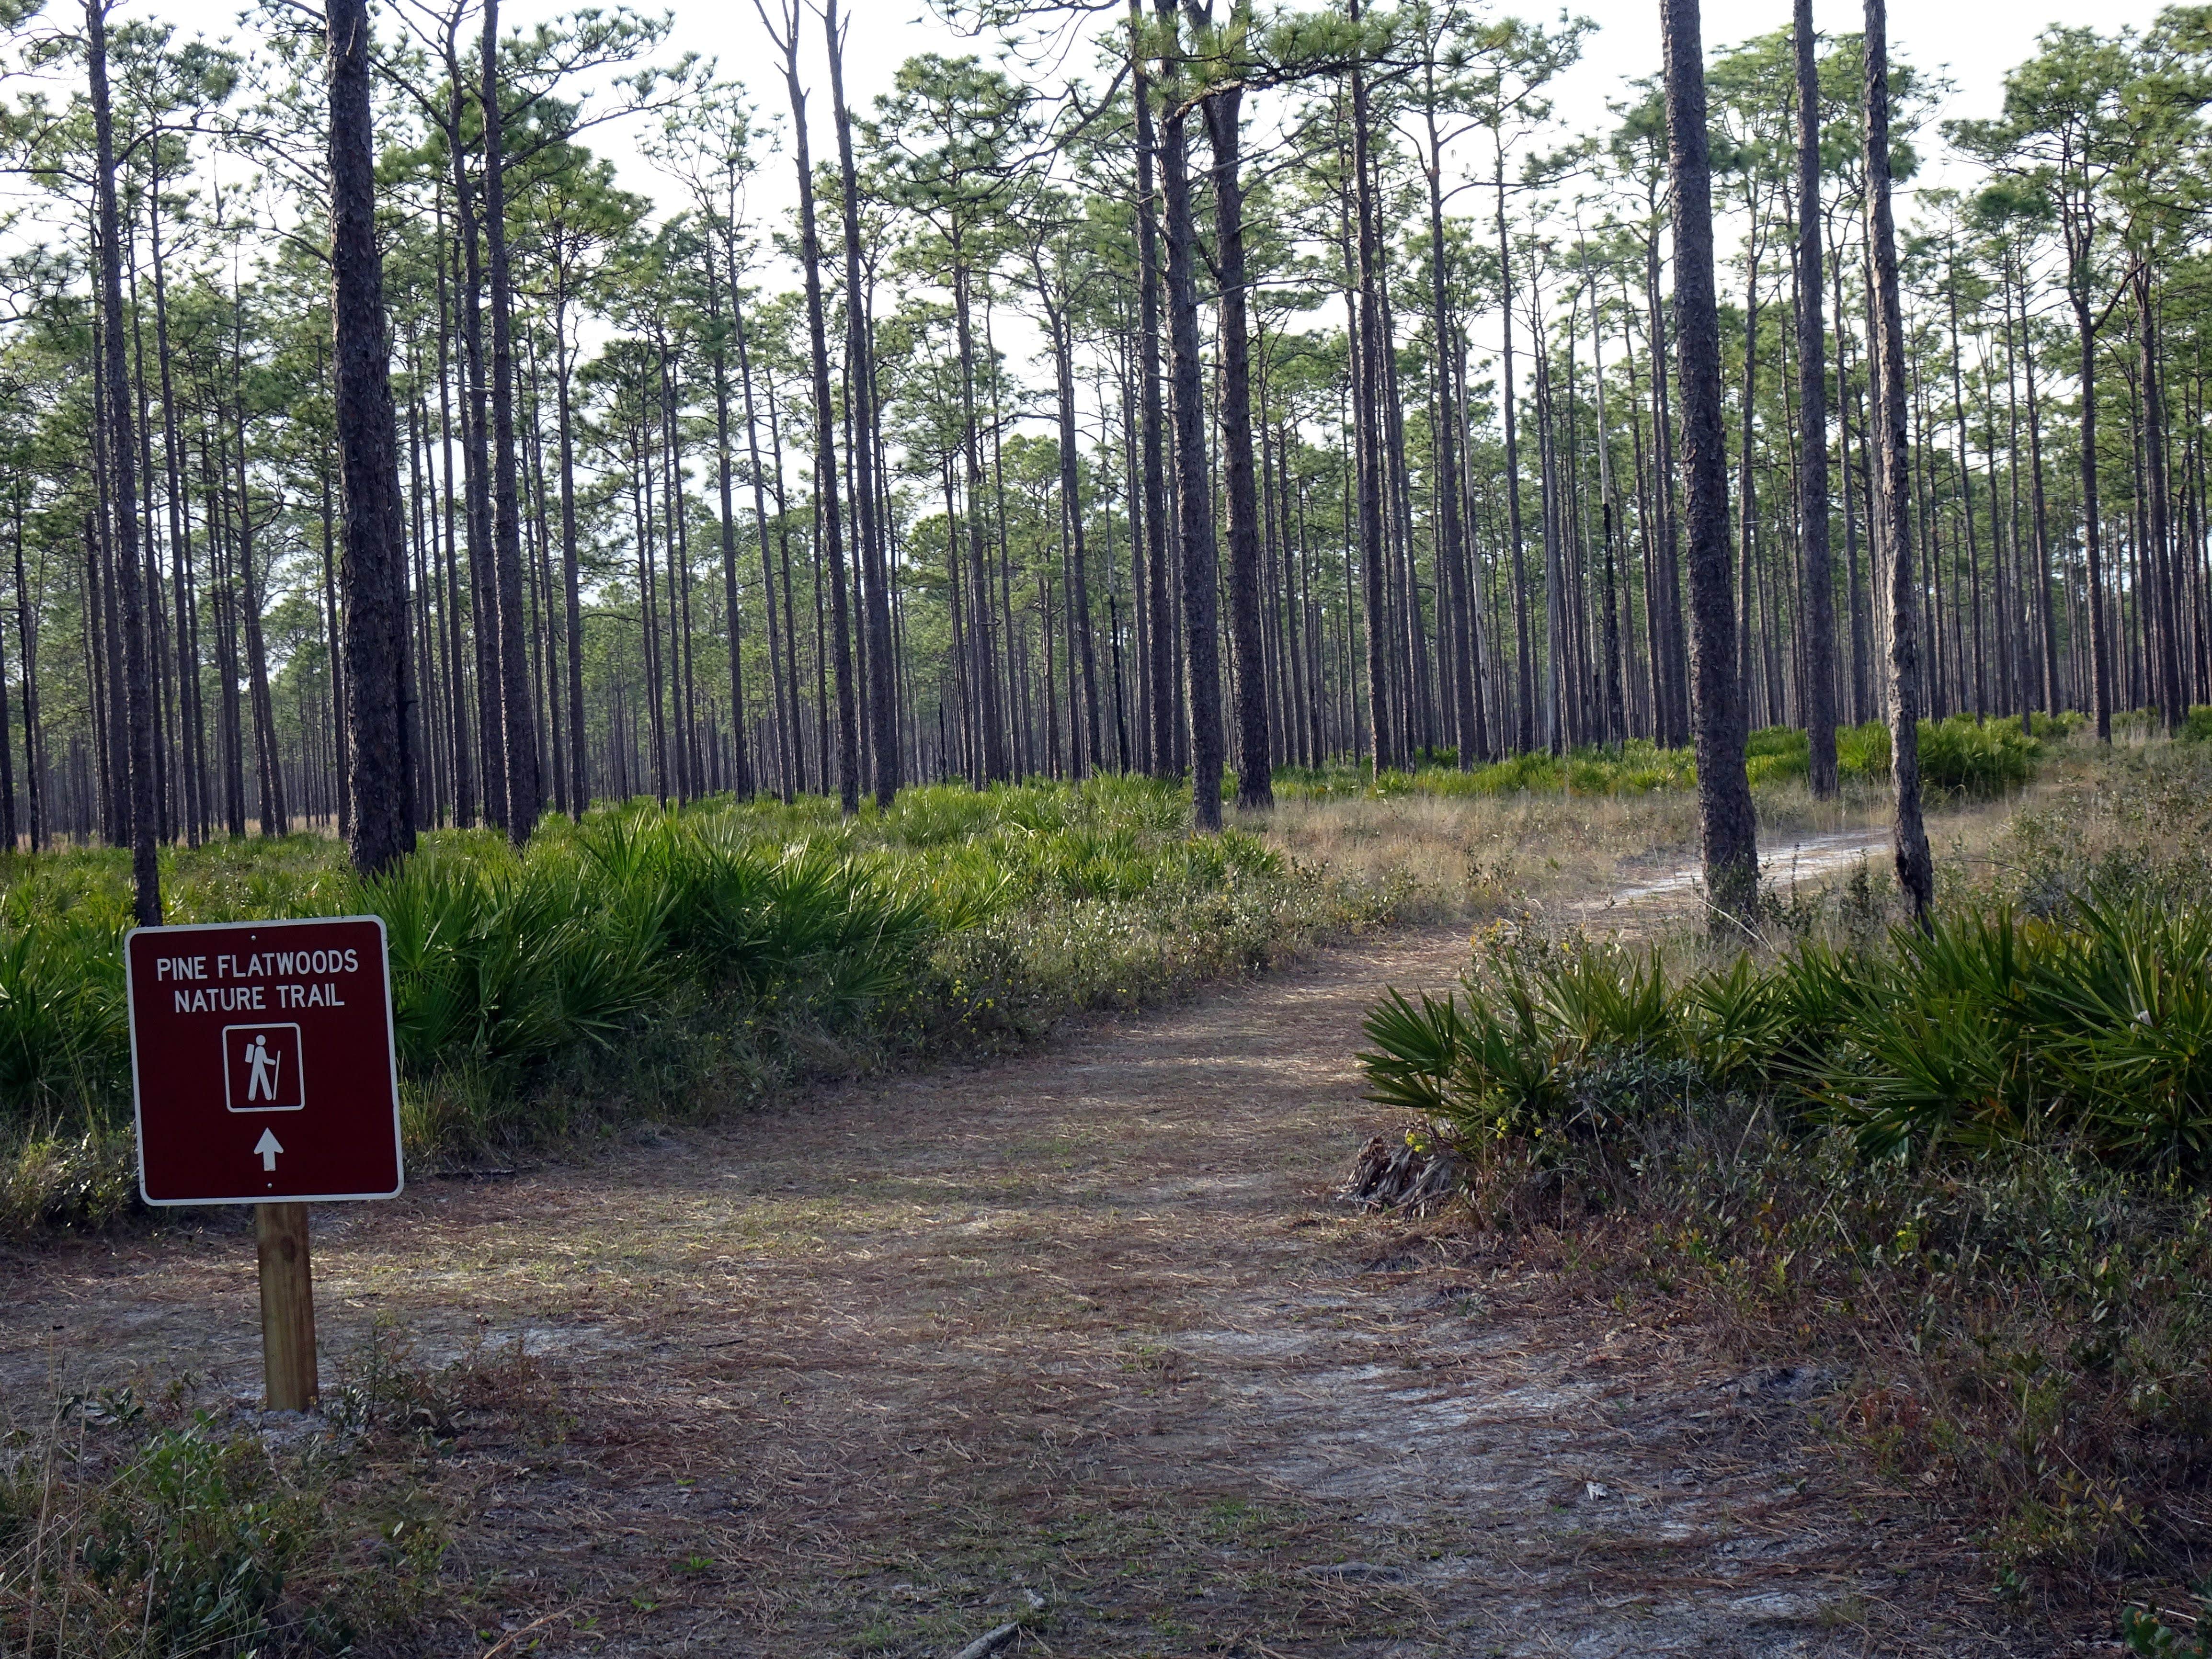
1640	906
1078	1340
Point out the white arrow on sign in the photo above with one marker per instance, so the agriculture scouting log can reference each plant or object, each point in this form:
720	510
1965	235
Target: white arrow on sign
269	1147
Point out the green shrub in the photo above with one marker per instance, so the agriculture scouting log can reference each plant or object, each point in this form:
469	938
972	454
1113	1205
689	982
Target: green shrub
2151	1637
1975	758
1971	1166
1959	756
132	1525
725	945
1993	1031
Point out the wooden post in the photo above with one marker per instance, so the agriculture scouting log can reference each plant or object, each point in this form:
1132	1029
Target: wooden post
288	1306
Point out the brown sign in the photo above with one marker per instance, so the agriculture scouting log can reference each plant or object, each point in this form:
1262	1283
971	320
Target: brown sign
261	1062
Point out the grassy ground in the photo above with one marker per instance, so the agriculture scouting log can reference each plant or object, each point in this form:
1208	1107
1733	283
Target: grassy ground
1975	1186
1078	1340
935	1350
647	966
148	1522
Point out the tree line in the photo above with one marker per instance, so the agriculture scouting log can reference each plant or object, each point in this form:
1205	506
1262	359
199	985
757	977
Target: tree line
1250	389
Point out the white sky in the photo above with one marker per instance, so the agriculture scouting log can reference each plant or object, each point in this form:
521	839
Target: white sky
1972	42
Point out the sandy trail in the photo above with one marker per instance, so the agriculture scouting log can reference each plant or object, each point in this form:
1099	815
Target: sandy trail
1784	866
1077	1339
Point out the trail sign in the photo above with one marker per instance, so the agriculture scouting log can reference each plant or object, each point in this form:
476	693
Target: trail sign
262	1072
261	1062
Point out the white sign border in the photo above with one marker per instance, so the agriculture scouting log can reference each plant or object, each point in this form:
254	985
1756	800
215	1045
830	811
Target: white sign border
392	1061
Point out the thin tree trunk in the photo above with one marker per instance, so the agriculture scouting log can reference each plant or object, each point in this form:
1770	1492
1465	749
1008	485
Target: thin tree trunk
1724	810
1820	655
369	479
883	700
1383	726
778	639
122	461
1915	869
1524	729
1255	780
831	551
525	795
1159	667
1193	486
27	638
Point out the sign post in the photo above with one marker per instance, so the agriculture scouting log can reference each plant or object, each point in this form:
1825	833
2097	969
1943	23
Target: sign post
263	1073
287	1305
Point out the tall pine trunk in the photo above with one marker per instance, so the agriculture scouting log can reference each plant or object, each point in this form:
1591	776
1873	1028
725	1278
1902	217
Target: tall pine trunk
1382	732
121	479
1525	727
374	569
1159	532
1812	409
1193	481
524	788
867	528
1255	778
1727	828
827	504
1893	489
484	584
1451	547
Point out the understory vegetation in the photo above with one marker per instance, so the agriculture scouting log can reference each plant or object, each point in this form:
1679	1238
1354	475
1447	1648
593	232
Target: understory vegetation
131	1525
1969	1169
1959	756
652	963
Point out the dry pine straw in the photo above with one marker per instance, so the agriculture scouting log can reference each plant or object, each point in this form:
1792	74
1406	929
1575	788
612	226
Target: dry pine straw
1079	1340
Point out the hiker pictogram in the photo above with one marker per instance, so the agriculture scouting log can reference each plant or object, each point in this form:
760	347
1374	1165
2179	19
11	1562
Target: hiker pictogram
262	1068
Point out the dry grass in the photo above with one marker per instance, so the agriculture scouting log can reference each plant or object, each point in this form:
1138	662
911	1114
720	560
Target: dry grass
1079	1329
148	1517
1076	1340
1549	855
1478	854
2012	1344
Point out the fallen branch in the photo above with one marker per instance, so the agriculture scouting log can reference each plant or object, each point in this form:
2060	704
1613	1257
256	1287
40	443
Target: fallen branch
989	1643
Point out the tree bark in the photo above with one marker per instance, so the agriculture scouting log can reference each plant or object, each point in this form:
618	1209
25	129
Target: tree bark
483	582
373	537
825	447
1159	537
1812	412
122	461
1254	778
1193	484
524	787
1916	873
1382	732
1451	546
1524	727
883	698
27	639
1724	810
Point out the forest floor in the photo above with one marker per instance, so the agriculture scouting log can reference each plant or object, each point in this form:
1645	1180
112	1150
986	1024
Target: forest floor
1078	1340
